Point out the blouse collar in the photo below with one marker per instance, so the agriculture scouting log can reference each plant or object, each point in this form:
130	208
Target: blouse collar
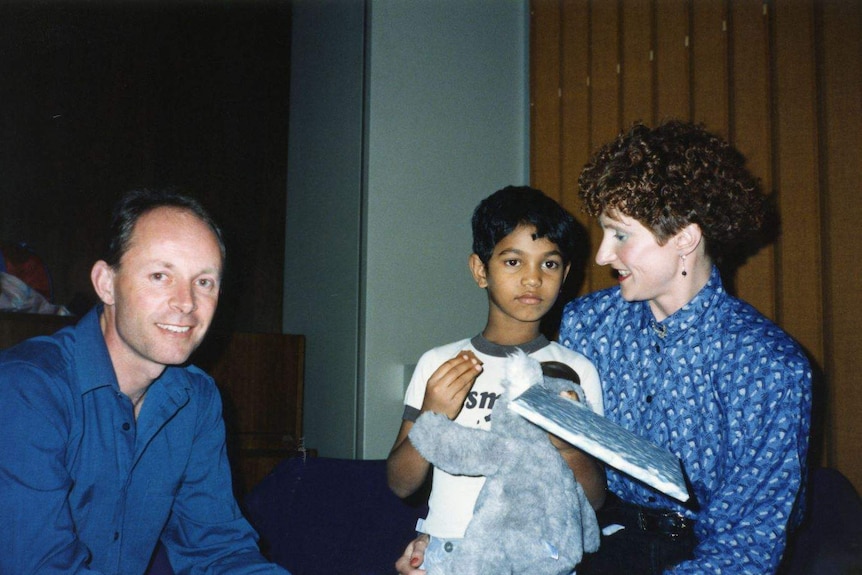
688	315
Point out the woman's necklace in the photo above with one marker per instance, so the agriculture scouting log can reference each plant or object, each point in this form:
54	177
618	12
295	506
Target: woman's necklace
658	328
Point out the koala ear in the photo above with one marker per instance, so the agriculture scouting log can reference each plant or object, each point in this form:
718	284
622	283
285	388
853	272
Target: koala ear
560	370
522	372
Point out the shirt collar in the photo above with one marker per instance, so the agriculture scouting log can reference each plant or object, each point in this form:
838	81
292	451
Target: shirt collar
93	365
495	350
688	315
92	362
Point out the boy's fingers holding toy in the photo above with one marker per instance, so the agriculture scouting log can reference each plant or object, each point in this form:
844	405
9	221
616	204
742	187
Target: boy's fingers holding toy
463	375
465	363
449	385
466	370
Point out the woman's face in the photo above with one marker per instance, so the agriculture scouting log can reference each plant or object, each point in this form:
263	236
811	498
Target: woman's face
647	271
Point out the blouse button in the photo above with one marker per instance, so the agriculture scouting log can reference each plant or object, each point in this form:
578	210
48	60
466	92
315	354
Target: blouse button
649	399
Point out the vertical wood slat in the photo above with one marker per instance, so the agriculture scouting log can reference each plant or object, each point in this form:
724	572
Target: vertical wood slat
751	134
800	297
672	60
638	55
576	101
604	99
576	132
842	109
709	73
796	173
545	84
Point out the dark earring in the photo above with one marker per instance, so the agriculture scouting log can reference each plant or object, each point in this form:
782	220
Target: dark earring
684	272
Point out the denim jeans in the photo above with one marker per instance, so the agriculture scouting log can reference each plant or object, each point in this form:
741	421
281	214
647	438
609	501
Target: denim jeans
438	548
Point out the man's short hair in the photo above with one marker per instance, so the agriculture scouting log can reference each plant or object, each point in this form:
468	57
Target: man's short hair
134	204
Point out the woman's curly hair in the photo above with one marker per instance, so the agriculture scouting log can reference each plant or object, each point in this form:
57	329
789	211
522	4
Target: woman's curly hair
674	175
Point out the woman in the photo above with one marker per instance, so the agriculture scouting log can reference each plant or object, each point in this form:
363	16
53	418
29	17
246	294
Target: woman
684	364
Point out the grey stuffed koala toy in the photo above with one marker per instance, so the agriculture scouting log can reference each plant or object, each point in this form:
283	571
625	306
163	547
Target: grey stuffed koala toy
531	516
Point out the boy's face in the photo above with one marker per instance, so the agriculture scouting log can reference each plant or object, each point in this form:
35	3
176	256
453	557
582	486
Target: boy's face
523	279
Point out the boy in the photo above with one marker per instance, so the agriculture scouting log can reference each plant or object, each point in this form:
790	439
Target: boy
522	247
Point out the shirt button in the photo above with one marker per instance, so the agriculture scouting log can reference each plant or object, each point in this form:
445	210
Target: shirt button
126	426
448	547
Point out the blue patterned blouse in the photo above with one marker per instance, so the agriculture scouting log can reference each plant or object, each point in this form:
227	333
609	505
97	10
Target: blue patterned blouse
727	391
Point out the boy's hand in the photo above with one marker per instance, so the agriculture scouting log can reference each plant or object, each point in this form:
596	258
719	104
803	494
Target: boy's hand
562	445
448	386
413	557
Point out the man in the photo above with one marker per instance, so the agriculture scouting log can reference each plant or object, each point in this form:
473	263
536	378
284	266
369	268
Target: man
108	444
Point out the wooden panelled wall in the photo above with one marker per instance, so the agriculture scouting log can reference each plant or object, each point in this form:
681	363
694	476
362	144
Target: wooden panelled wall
782	80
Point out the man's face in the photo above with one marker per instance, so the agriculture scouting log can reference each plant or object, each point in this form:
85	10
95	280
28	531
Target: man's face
162	298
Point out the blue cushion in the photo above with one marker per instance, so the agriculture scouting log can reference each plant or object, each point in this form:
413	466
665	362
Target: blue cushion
829	541
319	516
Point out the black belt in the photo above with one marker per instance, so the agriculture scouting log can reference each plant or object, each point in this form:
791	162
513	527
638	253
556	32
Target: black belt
659	521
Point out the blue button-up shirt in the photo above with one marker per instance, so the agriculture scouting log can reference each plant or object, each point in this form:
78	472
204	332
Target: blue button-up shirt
723	388
85	488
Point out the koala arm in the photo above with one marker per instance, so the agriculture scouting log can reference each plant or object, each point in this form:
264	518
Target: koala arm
454	448
587	470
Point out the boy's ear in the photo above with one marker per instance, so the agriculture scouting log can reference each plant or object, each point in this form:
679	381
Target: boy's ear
688	238
102	276
479	271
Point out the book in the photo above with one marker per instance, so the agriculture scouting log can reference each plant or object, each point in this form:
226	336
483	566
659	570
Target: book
602	438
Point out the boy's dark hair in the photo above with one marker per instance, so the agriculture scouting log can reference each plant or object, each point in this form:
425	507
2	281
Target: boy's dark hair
499	214
674	175
134	204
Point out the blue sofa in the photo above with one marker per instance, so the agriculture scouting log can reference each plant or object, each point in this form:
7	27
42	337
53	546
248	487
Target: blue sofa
320	516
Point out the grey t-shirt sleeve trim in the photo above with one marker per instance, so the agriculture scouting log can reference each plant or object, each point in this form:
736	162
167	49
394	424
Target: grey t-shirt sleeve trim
410	413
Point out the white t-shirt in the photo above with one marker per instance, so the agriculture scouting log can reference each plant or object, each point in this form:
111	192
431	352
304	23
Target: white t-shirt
454	496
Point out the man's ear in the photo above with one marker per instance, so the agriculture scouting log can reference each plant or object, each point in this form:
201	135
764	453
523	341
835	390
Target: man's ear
688	239
479	271
102	276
